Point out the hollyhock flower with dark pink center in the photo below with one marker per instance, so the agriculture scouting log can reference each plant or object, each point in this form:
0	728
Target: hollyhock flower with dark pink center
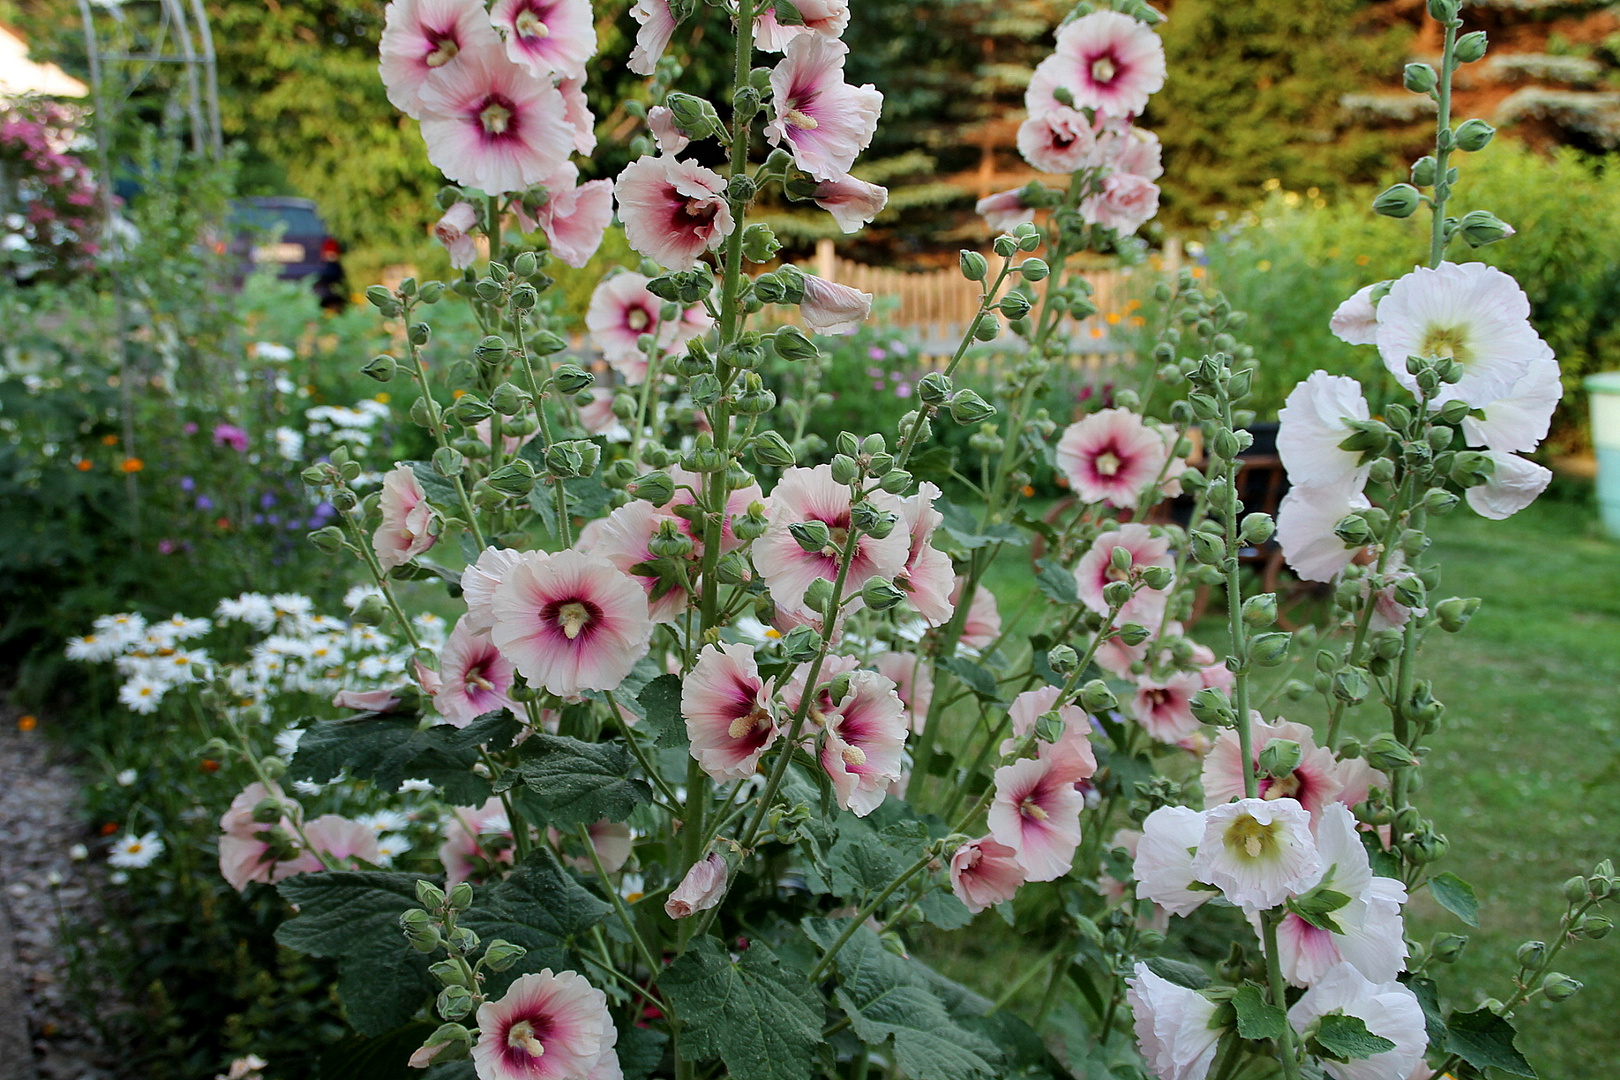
1176	1028
1107	61
913	679
670	139
1125	203
985	873
622	309
473	677
983	624
1036	812
453	231
1075	739
480	580
728	712
624	540
571	623
1258	852
927	577
1095	570
408	525
824	121
863	733
1306	519
1059	140
1164	706
577	111
421	37
574	216
475	841
701	889
673	211
828	17
488	124
657	26
1314	784
1313	422
1005	210
1129	149
547	1026
831	308
851	202
549	37
1111	457
804	495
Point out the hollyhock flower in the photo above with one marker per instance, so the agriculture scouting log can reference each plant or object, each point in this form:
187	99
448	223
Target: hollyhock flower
1108	62
927	577
813	495
673	211
1125	203
1313	423
1129	149
1174	1026
1258	852
475	839
549	37
1390	1011
864	734
824	121
490	125
851	202
1118	658
1469	312
1164	706
1355	322
1513	485
828	17
913	679
737	503
728	712
452	230
623	541
1163	866
343	839
548	1026
1075	739
621	310
1005	210
1359	778
701	888
367	700
985	873
1305	523
571	623
1095	571
1518	422
657	26
574	217
421	37
1036	812
1314	784
611	842
1111	456
245	853
473	677
577	112
661	122
408	526
831	308
1057	141
480	580
983	624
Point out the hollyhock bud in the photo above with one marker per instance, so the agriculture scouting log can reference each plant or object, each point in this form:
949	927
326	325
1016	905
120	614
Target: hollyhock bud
450	1042
973	265
1560	987
1473	135
1470	47
1481	227
967	407
1397	201
1419	78
790	344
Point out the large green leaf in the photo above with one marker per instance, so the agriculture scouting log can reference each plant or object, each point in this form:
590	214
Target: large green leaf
1256	1017
660	702
390	748
540	907
1485	1041
1056	581
578	783
757	1014
1456	896
1346	1038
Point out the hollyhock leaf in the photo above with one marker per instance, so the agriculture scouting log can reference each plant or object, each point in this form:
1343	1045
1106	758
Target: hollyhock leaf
1485	1041
758	1014
539	906
374	1058
1256	1018
641	1050
1346	1037
579	783
389	748
976	677
1026	1052
1056	581
450	1070
944	910
1428	995
963	527
1456	896
859	866
440	491
660	701
354	917
936	464
1193	978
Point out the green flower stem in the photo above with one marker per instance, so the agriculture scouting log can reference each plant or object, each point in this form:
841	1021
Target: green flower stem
436	419
367	556
245	748
1279	994
1442	148
865	913
640	754
619	907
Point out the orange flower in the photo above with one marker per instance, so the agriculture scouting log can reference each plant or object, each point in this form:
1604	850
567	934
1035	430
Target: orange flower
1029	491
84	464
1363	260
209	765
223	523
108	828
109	440
1113	318
132	465
27	723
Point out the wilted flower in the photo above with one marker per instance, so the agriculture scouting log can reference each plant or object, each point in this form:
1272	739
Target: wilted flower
851	202
927	576
1005	210
1175	1026
828	17
574	216
831	308
983	623
452	230
985	873
701	888
408	526
657	26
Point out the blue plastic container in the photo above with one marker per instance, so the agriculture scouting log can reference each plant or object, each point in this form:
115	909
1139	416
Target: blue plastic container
1604	390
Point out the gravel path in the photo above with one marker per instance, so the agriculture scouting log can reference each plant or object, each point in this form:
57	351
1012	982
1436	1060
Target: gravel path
40	883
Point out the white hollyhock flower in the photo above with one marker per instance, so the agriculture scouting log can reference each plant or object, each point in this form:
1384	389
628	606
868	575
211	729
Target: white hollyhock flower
1512	487
1518	422
1469	312
1313	423
1258	852
1305	523
1164	860
1355	322
1389	1010
1172	1026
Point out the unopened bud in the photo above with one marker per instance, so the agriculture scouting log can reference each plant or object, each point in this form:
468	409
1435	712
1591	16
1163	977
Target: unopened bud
973	265
1095	697
1560	987
967	407
881	595
1280	757
1397	201
1419	78
501	955
1062	659
1470	47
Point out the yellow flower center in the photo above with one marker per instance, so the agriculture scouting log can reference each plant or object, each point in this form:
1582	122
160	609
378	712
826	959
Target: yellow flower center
747	723
1107	463
444	51
521	1037
800	120
1031	809
1254	840
637	319
495	117
1446	342
853	755
573	618
1102	69
529	25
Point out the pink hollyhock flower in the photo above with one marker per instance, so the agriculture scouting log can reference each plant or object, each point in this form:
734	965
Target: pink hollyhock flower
1125	203
480	580
577	111
1359	778
610	840
1111	456
1163	865
623	540
1095	571
622	309
510	444
549	37
1355	322
1005	210
570	623
728	712
1512	487
913	679
1518	422
344	840
1389	1010
574	217
1059	140
548	1026
657	26
828	17
245	855
863	735
453	231
1036	812
408	525
381	701
1030	706
703	887
1315	784
824	121
673	211
1175	1026
983	624
1164	706
1305	522
1118	658
851	202
927	577
813	495
1312	424
598	418
1108	62
1258	852
490	125
831	308
1129	149
1469	312
670	139
421	37
475	841
985	873
737	503
473	677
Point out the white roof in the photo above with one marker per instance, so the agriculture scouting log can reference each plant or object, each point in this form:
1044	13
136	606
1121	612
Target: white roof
20	75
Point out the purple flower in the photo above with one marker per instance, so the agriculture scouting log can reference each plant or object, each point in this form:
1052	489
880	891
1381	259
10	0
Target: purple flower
187	484
877	353
167	547
903	390
232	436
267	500
204	503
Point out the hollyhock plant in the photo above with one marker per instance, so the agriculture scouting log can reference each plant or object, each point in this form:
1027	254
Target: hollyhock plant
1163	864
1096	570
1111	457
1059	140
913	681
1106	61
1125	203
804	495
656	27
490	125
421	37
549	37
408	526
1312	425
863	735
851	202
1315	782
701	889
831	308
1164	706
728	712
1036	812
985	873
823	120
548	1026
473	677
1258	852
1175	1027
1389	1010
1005	210
670	139
673	211
1514	484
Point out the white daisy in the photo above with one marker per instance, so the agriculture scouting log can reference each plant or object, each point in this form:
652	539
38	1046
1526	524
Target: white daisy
141	695
94	648
126	777
135	852
384	821
390	847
